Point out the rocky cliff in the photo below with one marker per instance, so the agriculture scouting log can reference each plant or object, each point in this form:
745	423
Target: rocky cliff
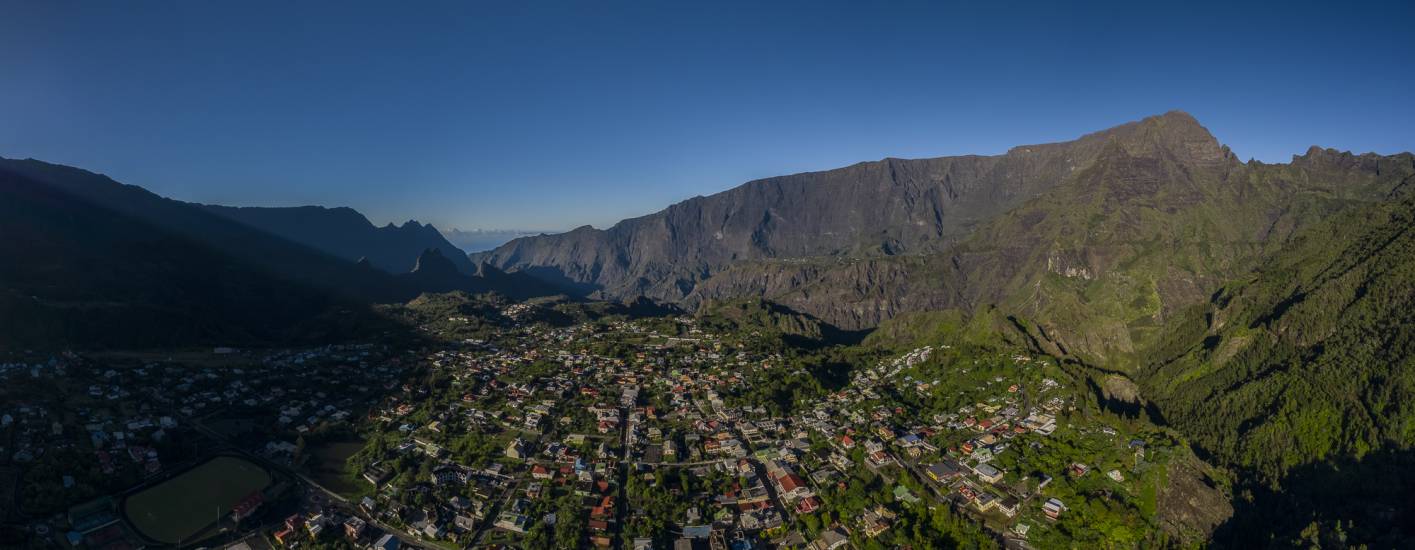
1098	240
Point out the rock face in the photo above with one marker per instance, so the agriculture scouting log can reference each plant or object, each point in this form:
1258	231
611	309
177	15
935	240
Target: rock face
432	263
886	208
1097	239
1191	505
347	234
433	272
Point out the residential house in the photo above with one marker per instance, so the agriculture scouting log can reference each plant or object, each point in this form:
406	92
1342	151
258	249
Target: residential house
1053	508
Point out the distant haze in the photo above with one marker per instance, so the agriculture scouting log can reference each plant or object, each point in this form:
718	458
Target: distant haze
478	240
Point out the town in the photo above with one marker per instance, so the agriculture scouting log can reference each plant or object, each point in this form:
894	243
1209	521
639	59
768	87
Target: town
658	432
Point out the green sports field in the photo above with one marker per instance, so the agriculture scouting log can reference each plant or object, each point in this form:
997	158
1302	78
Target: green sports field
184	506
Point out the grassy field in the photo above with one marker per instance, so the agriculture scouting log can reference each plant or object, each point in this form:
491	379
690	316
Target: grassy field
327	466
184	506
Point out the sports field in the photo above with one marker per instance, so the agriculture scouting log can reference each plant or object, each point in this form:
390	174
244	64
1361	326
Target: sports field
184	506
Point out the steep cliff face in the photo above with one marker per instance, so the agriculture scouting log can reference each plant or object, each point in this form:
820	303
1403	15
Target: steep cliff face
884	208
1097	240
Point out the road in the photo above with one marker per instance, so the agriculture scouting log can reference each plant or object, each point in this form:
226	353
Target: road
680	464
766	480
495	510
621	502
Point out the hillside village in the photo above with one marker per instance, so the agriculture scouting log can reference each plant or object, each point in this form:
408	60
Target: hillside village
548	438
613	433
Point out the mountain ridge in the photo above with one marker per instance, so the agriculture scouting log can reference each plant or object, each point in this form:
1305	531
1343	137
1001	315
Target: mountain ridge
952	178
1034	229
82	276
69	305
348	234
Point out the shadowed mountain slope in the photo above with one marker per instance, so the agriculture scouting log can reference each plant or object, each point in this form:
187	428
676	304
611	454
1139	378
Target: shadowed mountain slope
347	234
76	275
291	260
74	237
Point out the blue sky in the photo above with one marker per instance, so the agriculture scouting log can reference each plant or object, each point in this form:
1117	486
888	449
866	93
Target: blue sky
544	115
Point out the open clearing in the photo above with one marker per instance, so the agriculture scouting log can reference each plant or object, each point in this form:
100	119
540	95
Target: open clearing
184	506
328	467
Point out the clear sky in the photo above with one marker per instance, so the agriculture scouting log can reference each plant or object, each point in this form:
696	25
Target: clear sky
533	115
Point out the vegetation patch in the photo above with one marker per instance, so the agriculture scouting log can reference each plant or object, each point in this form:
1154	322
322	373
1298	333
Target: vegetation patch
186	505
329	466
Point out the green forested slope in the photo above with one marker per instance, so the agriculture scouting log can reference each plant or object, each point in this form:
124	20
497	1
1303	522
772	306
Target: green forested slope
1102	261
1106	260
1313	356
1301	378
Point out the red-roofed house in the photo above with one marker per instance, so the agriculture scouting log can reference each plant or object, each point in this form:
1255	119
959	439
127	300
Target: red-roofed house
285	536
808	505
793	487
247	506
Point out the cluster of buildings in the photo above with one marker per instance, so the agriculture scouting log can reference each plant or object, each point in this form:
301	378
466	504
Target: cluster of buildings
508	439
571	415
80	427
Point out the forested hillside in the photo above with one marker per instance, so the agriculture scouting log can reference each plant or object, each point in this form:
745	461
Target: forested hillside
1304	373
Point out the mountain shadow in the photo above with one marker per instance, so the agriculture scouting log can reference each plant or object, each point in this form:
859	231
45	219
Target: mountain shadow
347	234
76	275
1344	503
358	281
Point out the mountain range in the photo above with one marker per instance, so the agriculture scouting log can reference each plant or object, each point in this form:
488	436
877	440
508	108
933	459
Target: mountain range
345	233
1098	241
90	262
1099	244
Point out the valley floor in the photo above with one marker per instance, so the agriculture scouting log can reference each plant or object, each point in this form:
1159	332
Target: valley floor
658	432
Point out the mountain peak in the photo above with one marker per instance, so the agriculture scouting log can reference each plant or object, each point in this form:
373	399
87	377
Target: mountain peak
1177	122
1327	158
1177	133
432	261
1178	116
